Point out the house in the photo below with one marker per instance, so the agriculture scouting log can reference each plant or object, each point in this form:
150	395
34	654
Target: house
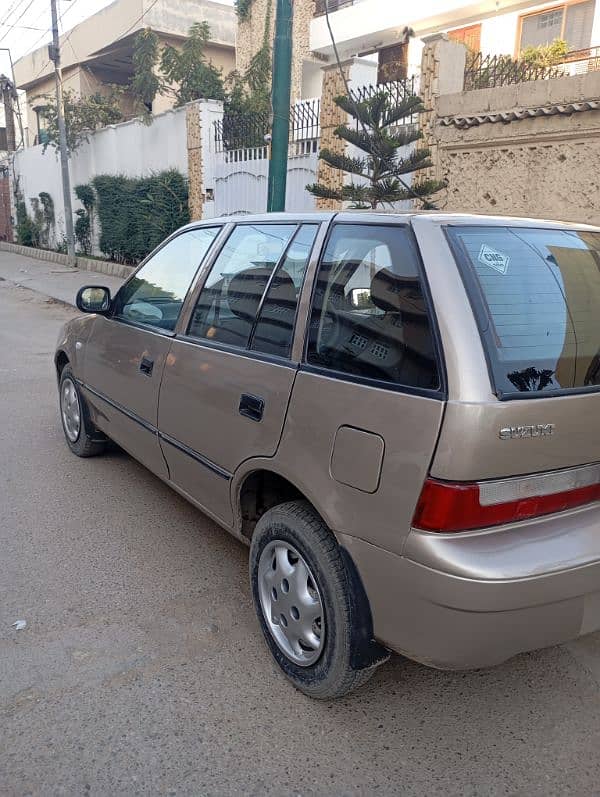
388	34
393	32
99	51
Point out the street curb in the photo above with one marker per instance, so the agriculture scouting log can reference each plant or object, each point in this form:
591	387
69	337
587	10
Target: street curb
83	263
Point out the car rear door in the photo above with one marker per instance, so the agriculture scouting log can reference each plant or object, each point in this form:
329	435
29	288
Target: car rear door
229	374
126	351
367	404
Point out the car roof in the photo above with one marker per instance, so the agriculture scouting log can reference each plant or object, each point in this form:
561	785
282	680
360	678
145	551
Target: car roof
434	217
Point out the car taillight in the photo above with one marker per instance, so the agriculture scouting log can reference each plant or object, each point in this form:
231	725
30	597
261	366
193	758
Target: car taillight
463	506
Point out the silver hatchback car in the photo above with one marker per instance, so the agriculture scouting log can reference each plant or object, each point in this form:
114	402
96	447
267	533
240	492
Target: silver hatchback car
399	414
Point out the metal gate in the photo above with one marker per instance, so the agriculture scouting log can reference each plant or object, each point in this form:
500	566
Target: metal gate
239	161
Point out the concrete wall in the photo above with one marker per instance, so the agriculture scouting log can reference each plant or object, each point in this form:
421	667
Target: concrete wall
131	148
498	158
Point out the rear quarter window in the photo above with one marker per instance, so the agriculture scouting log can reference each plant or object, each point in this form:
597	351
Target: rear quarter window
536	295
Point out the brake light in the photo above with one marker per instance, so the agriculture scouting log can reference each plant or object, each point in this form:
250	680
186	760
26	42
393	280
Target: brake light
463	506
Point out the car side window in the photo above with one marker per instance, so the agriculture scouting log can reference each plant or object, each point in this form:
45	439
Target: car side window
274	328
369	316
232	295
155	295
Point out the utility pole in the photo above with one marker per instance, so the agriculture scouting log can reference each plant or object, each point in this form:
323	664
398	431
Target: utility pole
280	98
54	54
15	95
8	95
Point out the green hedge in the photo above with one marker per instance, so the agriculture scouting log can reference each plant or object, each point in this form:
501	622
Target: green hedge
135	215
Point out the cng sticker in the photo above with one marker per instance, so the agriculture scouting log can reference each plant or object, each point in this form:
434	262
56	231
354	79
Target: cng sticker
493	258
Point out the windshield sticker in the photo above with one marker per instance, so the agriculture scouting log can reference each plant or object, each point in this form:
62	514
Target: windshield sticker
494	259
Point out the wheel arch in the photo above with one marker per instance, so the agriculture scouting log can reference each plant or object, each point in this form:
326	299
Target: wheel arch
60	360
259	488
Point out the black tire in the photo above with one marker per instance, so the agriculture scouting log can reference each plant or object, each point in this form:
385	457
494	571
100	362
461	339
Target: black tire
342	664
89	442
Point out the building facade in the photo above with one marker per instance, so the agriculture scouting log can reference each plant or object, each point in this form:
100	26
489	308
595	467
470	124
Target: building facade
98	52
389	35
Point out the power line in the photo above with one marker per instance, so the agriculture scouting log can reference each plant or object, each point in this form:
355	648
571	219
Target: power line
139	19
18	19
130	28
423	200
14	7
22	27
69	34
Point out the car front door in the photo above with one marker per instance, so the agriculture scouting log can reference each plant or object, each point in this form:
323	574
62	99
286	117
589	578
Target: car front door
228	377
126	350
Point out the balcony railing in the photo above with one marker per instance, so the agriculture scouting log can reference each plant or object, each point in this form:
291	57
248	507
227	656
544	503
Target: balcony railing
332	5
578	62
490	71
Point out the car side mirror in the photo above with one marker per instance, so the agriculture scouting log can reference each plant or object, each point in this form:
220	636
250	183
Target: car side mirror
93	299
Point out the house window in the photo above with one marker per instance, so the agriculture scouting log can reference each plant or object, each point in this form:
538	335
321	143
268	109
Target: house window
393	63
469	36
42	124
571	22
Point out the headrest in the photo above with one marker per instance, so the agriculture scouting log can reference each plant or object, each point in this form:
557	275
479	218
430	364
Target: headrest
392	293
246	288
282	290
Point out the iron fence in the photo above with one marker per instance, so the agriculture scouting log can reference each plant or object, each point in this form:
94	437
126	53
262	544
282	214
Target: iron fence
241	131
251	131
397	91
332	5
490	71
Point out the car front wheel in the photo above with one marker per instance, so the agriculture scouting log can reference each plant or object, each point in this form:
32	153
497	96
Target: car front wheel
305	602
81	435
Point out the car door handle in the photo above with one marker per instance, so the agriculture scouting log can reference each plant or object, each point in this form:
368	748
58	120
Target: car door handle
252	407
146	366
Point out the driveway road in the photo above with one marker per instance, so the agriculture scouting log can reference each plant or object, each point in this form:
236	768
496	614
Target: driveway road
142	671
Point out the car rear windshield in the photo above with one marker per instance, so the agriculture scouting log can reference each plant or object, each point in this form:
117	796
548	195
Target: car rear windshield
536	295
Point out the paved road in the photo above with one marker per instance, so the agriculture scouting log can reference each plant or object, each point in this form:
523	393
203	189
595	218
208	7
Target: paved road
141	670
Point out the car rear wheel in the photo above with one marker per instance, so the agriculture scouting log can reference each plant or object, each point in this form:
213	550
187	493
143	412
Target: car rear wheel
306	603
81	435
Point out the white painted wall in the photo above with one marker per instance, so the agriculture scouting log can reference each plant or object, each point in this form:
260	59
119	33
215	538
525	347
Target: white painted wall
499	34
363	72
596	26
312	79
132	149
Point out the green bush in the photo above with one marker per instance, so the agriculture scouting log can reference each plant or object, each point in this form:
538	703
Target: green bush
135	215
28	232
545	56
242	8
84	224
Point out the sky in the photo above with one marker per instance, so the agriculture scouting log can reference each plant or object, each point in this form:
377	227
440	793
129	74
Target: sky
17	17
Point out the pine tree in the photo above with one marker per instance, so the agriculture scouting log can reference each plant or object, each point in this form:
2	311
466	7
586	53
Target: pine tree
380	133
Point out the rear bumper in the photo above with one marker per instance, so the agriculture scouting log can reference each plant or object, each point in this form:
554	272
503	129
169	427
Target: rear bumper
474	600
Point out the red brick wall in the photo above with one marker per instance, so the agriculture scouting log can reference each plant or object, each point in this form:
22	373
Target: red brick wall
5	222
